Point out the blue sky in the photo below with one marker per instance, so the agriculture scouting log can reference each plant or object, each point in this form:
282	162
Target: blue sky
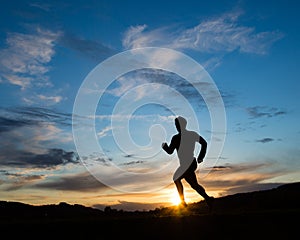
49	49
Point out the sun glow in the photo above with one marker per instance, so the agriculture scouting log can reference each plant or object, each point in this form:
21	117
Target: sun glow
175	199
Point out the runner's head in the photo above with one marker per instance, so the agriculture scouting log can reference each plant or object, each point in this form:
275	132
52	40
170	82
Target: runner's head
180	123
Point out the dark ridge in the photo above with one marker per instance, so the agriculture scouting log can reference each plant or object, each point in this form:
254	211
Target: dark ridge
260	214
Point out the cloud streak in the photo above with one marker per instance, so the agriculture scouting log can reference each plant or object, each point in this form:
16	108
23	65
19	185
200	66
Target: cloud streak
14	181
263	111
93	50
265	140
24	62
50	159
31	139
76	182
28	116
216	35
182	86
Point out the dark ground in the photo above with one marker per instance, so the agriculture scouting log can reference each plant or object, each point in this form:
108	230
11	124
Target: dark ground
257	215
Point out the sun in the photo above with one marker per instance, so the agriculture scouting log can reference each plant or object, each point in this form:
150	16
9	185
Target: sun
174	199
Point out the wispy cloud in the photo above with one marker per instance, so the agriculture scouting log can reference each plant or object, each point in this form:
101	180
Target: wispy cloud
161	78
91	49
7	123
74	182
121	117
43	6
33	98
54	99
132	162
136	37
30	137
50	159
243	177
104	132
265	140
219	34
16	181
263	111
24	62
22	116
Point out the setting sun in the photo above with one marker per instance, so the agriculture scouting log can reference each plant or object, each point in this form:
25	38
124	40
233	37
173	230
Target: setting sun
174	199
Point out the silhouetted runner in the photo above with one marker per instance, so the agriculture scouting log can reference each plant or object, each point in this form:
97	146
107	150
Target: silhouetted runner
184	142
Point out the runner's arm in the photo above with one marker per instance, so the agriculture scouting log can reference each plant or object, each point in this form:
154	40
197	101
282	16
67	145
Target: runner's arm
203	149
169	149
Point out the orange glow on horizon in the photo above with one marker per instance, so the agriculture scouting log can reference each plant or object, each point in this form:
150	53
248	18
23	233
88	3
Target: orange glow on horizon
174	199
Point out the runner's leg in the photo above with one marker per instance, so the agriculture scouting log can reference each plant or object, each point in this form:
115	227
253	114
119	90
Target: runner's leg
192	180
179	187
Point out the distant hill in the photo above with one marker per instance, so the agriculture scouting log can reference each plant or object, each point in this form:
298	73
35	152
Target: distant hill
286	196
272	212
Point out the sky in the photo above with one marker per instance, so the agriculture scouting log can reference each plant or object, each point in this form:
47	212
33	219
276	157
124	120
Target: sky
89	91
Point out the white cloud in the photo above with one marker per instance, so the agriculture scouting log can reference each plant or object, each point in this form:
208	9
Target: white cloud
121	117
33	138
125	84
104	132
133	36
18	80
25	60
32	98
54	99
219	34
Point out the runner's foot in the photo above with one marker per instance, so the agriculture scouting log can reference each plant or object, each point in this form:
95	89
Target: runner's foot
183	204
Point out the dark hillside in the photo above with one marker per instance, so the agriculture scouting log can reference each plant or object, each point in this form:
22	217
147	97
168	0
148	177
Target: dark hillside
262	214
